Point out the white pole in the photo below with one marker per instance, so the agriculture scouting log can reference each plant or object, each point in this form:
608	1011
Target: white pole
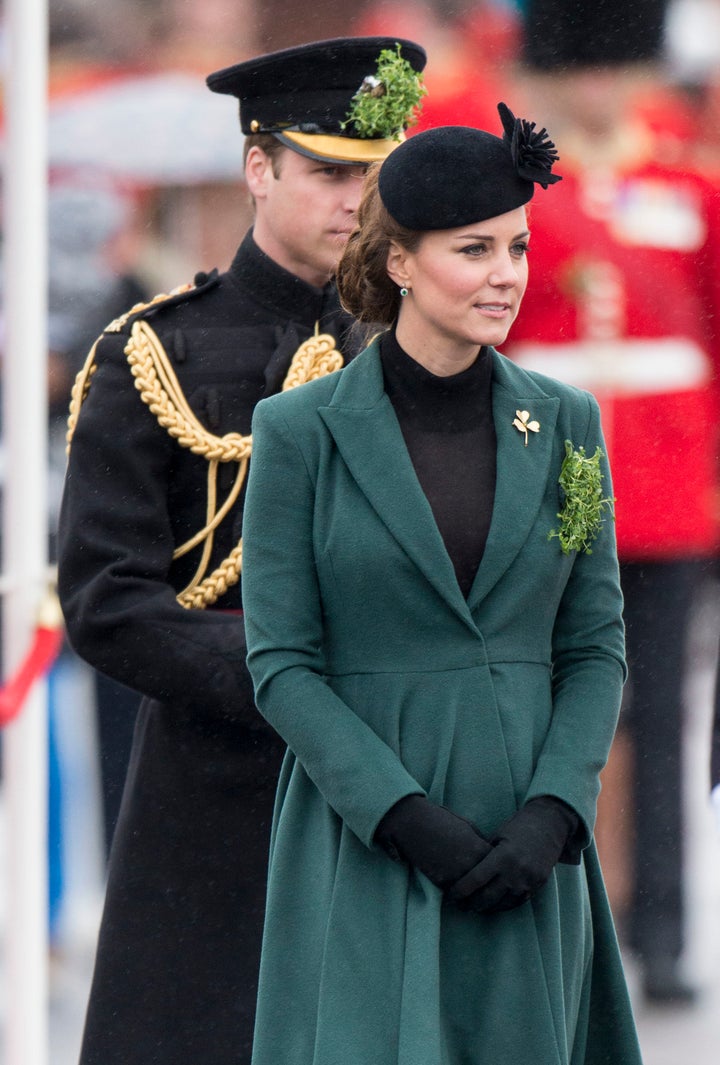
24	524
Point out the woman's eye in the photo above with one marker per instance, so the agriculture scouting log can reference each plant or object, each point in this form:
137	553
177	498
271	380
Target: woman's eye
475	249
521	248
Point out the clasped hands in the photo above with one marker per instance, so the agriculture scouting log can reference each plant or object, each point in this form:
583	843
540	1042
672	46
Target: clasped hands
485	876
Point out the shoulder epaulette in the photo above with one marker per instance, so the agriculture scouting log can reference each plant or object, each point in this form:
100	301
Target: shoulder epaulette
201	283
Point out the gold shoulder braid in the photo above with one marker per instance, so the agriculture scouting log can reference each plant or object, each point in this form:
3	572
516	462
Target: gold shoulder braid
81	385
160	390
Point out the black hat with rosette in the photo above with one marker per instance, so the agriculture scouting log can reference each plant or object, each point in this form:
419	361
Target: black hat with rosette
455	175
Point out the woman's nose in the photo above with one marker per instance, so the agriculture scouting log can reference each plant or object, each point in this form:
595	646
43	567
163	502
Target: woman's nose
504	273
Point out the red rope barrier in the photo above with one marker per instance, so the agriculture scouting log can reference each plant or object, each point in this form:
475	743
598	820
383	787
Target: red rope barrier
44	649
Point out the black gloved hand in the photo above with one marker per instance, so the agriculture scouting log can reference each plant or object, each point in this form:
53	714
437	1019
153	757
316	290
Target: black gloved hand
526	849
434	840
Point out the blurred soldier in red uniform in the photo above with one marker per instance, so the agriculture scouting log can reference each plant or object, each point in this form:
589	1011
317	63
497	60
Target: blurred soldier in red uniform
625	298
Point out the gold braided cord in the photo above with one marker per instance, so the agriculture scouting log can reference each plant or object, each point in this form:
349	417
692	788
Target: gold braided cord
213	522
206	535
80	389
315	358
160	390
216	584
81	385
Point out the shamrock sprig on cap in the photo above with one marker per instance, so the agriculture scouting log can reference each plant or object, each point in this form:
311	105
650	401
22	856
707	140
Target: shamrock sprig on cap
385	103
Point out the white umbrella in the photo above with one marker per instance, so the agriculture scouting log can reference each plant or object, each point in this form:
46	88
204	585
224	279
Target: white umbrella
155	129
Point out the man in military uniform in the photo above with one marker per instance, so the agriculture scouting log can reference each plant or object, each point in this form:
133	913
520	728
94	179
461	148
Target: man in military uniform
150	550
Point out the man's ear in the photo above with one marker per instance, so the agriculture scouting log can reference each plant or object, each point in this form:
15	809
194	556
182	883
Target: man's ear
397	264
258	172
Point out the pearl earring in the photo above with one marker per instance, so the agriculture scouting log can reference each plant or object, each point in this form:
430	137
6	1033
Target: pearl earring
403	291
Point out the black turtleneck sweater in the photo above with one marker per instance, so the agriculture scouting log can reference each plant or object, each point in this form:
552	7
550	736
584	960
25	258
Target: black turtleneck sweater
449	431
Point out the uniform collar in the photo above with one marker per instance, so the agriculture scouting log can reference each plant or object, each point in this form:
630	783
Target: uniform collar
276	288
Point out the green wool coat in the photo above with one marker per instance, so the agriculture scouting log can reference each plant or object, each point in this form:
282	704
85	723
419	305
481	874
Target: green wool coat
385	681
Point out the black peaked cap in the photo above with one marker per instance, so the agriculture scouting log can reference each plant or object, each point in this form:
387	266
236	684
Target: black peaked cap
309	87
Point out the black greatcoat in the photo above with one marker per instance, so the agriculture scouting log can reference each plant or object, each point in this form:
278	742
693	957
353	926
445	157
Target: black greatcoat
179	945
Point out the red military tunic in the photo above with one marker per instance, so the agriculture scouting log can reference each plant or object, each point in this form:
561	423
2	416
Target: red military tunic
624	301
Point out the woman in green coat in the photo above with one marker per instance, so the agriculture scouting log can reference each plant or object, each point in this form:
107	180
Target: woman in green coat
434	627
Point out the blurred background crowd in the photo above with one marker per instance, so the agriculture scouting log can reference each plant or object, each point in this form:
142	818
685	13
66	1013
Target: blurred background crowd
145	189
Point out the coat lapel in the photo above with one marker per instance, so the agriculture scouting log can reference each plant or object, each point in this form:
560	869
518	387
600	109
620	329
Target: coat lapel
368	436
522	472
364	426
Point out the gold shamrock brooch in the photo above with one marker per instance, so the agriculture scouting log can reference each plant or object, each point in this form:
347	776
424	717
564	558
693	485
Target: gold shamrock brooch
522	424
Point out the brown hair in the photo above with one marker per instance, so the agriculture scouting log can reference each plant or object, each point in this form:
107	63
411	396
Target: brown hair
366	291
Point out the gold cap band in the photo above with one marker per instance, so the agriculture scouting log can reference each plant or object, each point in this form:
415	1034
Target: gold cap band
339	149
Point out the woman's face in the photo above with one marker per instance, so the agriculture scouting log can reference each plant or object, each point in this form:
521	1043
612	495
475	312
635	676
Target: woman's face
464	287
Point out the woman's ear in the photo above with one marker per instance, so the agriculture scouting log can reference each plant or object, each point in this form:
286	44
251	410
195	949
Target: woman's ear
397	264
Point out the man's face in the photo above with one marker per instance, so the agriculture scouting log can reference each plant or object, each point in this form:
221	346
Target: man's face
304	211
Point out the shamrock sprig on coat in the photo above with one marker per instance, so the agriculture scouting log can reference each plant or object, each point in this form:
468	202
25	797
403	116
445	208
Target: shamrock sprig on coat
584	507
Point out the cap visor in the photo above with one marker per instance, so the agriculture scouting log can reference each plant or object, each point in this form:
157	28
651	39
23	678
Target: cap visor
329	149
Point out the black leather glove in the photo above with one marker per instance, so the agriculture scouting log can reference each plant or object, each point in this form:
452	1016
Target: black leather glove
434	840
526	849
